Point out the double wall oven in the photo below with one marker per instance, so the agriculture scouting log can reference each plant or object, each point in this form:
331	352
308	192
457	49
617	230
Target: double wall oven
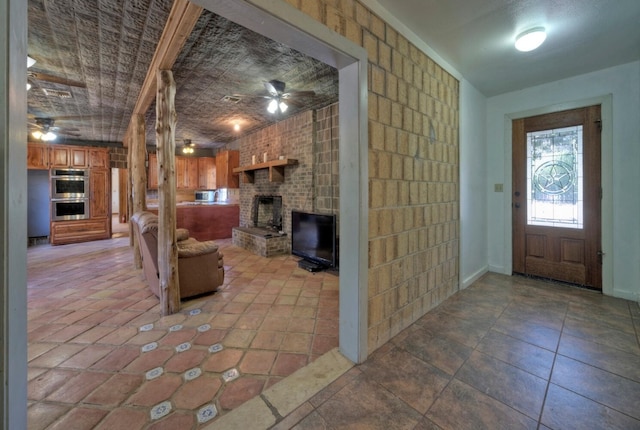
69	194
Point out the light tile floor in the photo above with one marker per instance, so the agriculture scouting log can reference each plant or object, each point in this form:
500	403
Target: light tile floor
100	356
506	353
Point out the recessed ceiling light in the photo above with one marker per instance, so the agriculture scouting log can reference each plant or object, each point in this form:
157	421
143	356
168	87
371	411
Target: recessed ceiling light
530	39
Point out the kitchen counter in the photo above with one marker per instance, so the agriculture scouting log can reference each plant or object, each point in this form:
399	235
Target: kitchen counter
206	221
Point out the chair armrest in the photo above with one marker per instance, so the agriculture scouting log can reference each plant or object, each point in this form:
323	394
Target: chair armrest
189	248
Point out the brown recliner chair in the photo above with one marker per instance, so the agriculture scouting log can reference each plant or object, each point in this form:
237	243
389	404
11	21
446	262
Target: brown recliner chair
200	264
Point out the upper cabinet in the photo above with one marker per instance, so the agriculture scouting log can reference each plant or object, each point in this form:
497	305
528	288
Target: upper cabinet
191	173
226	161
98	157
42	156
206	173
186	173
37	156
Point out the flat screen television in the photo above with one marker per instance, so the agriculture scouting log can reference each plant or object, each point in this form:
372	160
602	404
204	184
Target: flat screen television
313	237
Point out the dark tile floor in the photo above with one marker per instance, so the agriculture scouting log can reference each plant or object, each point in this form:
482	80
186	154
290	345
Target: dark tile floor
506	353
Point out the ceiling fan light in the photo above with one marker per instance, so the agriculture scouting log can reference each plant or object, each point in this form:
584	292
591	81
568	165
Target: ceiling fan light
30	61
283	107
37	134
48	136
530	39
273	106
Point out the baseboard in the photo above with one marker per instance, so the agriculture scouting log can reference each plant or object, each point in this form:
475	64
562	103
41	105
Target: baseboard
627	295
474	277
498	269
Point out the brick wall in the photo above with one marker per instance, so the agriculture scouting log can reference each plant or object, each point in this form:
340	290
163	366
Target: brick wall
413	170
118	157
291	138
326	176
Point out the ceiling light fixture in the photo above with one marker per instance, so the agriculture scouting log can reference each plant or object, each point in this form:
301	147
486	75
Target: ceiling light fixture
30	61
188	147
530	39
236	126
276	104
45	137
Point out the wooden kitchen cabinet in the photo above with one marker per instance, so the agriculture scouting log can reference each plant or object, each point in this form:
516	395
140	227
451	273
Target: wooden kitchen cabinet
99	157
69	156
37	156
152	172
100	192
59	156
206	173
186	173
226	161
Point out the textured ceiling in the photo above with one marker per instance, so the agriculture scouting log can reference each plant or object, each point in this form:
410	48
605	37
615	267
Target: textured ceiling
106	48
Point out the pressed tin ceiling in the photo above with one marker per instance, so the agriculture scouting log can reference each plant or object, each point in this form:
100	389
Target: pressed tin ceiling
101	52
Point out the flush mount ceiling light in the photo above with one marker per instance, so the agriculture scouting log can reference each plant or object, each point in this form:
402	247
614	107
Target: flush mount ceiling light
530	39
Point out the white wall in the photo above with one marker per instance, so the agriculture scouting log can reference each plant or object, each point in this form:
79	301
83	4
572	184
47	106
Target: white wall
115	191
473	189
620	175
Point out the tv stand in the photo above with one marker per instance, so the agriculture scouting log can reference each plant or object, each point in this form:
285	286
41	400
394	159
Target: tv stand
310	266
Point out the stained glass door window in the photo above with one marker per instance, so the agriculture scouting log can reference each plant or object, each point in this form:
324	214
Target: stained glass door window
555	178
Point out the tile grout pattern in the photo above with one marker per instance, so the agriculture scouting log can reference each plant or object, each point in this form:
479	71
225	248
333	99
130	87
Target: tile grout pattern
100	355
507	352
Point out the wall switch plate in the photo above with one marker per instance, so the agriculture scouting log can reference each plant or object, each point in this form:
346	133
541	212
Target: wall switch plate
497	188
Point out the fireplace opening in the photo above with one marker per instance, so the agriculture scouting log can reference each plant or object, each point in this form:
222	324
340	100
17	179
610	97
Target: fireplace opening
267	212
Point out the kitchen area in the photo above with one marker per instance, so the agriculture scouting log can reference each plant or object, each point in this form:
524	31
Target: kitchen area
70	194
207	193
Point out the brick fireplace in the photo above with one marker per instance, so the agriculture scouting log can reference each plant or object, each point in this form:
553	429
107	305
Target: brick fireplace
311	185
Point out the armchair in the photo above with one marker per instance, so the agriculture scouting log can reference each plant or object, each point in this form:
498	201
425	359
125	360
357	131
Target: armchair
200	264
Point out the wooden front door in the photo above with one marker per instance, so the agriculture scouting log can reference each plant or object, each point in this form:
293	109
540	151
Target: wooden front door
557	196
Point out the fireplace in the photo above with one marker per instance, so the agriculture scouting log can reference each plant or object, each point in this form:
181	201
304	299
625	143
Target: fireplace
267	212
265	237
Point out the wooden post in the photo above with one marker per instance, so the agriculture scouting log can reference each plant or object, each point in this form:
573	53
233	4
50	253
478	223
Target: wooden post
137	151
165	140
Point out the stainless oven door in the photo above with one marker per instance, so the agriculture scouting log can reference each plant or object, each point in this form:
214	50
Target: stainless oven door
69	209
69	187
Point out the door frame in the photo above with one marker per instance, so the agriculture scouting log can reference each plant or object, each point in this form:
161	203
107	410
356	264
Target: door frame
606	143
283	23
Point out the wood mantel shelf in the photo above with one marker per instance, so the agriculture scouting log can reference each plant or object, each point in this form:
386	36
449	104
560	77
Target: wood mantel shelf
276	170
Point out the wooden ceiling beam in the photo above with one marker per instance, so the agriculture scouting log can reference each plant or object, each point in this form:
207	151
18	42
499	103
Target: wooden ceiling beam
180	23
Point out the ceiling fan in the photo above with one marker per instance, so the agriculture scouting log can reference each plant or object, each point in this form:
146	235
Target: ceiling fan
45	77
46	130
279	99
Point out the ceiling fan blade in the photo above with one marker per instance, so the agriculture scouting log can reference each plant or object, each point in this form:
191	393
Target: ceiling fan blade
294	102
271	89
293	94
56	80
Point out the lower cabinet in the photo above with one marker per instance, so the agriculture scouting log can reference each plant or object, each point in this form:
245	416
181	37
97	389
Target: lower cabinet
79	231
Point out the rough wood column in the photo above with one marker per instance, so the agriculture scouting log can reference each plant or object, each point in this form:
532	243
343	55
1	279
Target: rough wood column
166	119
138	192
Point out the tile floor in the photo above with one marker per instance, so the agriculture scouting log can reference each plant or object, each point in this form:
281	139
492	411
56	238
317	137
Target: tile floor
100	356
506	353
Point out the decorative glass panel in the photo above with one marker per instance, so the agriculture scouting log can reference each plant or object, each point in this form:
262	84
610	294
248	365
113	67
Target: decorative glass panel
554	177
